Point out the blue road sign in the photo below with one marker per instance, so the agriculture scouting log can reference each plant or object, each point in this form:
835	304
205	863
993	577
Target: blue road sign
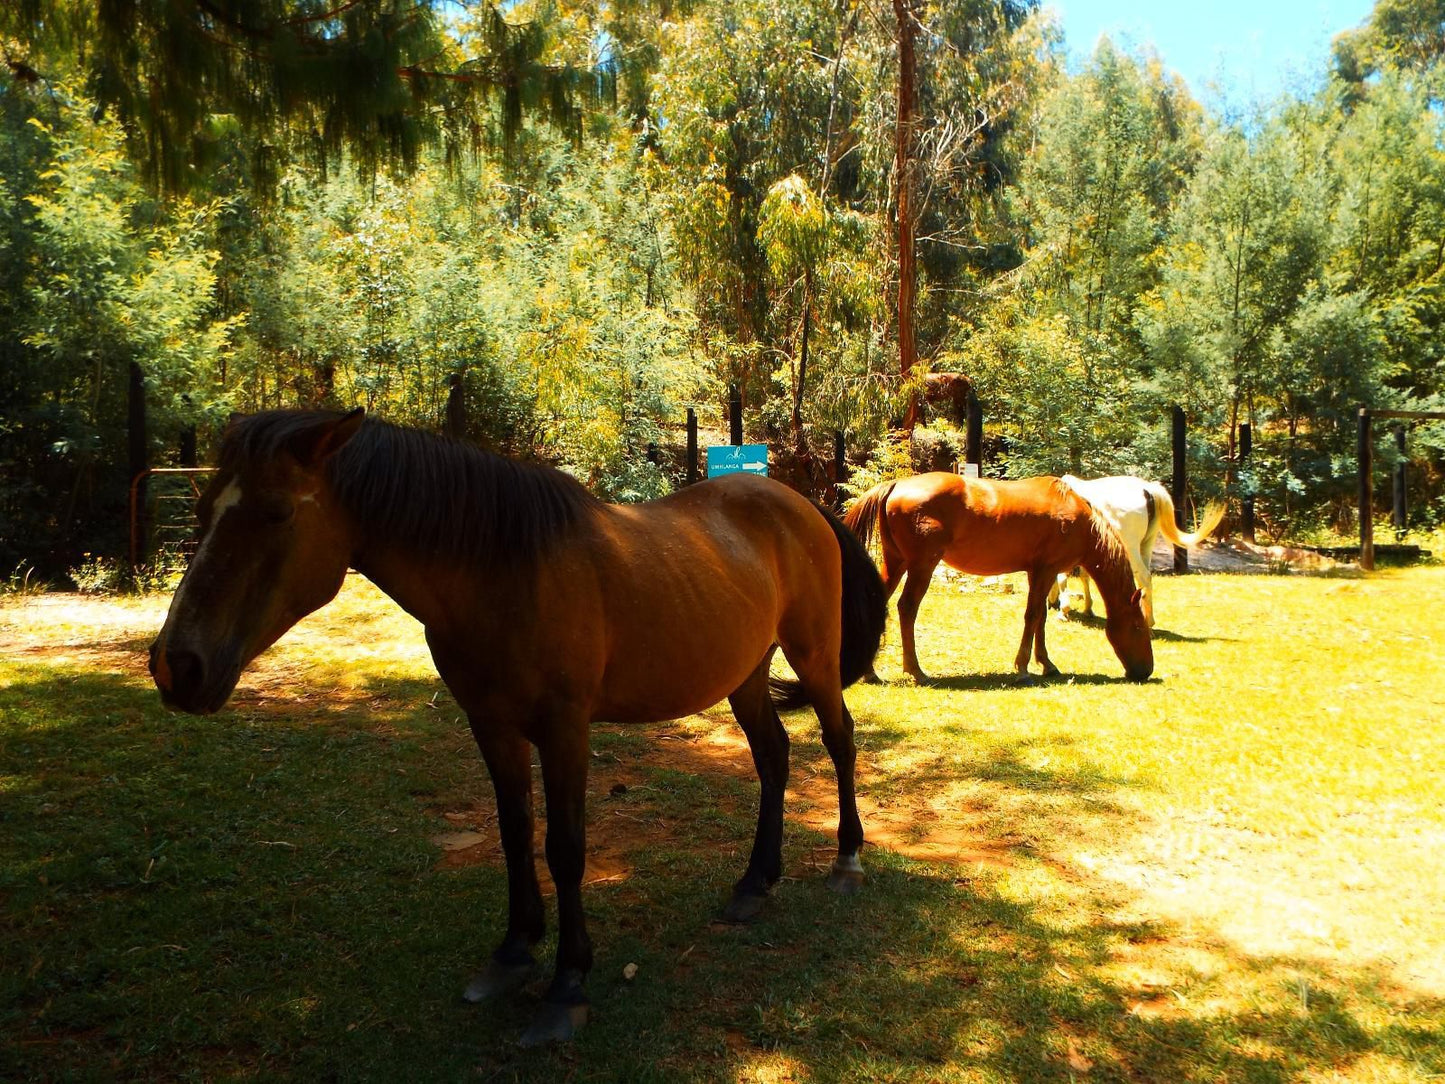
731	458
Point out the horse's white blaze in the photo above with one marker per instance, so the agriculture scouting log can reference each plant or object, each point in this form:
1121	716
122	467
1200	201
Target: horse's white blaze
227	499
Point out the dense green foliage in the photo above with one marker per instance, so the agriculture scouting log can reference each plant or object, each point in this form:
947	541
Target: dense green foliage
591	217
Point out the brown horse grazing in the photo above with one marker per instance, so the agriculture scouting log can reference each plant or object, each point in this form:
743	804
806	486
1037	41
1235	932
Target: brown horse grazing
986	528
545	610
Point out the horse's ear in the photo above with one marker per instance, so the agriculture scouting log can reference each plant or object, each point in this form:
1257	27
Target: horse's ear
315	443
1136	596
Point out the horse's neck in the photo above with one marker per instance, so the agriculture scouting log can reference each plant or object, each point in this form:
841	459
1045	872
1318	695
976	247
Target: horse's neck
1110	570
431	591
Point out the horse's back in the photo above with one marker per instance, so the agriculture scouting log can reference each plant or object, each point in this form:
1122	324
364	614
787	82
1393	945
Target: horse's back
953	498
983	526
697	585
1122	492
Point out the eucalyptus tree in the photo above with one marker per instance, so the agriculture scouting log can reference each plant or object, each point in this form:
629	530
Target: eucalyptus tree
749	94
379	79
1112	149
1389	240
963	70
1407	34
752	93
1247	325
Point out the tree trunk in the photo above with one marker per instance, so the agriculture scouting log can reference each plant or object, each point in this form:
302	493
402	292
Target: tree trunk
800	442
903	171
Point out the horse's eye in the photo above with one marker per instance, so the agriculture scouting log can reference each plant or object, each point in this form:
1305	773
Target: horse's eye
279	513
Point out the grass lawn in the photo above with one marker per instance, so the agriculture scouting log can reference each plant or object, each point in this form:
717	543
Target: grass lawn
1233	873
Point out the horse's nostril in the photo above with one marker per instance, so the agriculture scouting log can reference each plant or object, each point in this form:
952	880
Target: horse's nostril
188	671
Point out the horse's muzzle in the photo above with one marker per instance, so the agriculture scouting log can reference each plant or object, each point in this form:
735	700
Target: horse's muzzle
1141	672
185	681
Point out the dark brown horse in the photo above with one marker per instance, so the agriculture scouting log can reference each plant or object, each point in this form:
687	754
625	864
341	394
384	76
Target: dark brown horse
987	528
545	610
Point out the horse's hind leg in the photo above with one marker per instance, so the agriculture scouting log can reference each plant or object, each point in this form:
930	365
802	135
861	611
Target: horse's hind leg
564	754
768	740
920	575
509	761
1144	573
825	692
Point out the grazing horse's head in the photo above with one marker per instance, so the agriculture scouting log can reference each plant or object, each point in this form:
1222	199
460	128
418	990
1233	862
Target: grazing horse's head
274	546
1128	634
1125	624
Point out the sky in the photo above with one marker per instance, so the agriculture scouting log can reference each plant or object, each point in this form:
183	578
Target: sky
1232	53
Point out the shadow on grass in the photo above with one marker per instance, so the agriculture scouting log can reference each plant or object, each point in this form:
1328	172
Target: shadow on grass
1093	621
1010	680
255	895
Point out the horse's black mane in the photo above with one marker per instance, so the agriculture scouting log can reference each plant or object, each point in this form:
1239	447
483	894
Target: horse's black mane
430	493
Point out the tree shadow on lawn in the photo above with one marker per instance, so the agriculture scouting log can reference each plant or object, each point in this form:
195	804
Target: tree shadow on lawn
256	894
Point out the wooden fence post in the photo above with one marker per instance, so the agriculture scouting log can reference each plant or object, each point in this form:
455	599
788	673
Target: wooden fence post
691	446
456	420
1399	487
1180	487
138	459
973	433
1364	456
840	457
186	447
1246	458
735	415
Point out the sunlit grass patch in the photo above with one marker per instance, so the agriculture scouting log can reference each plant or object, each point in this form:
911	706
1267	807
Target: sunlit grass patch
1229	873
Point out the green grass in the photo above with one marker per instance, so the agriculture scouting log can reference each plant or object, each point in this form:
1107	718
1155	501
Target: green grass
1230	873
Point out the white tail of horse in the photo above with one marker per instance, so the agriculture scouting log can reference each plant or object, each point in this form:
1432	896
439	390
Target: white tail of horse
1208	522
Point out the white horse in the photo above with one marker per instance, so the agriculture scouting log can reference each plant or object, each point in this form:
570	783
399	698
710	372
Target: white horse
1138	511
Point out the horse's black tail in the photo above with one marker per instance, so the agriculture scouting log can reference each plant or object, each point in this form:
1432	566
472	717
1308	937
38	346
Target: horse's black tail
865	612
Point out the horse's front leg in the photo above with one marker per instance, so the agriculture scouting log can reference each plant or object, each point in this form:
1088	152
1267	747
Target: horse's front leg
1041	653
564	756
1033	629
509	760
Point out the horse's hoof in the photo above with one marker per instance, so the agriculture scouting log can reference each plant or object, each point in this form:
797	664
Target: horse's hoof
871	678
555	1024
846	876
744	907
919	677
1025	680
498	980
1052	671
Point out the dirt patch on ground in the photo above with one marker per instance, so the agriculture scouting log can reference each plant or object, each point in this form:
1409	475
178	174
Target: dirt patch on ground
1236	555
619	835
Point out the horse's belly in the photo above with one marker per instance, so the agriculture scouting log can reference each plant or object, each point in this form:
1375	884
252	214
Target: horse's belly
650	686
